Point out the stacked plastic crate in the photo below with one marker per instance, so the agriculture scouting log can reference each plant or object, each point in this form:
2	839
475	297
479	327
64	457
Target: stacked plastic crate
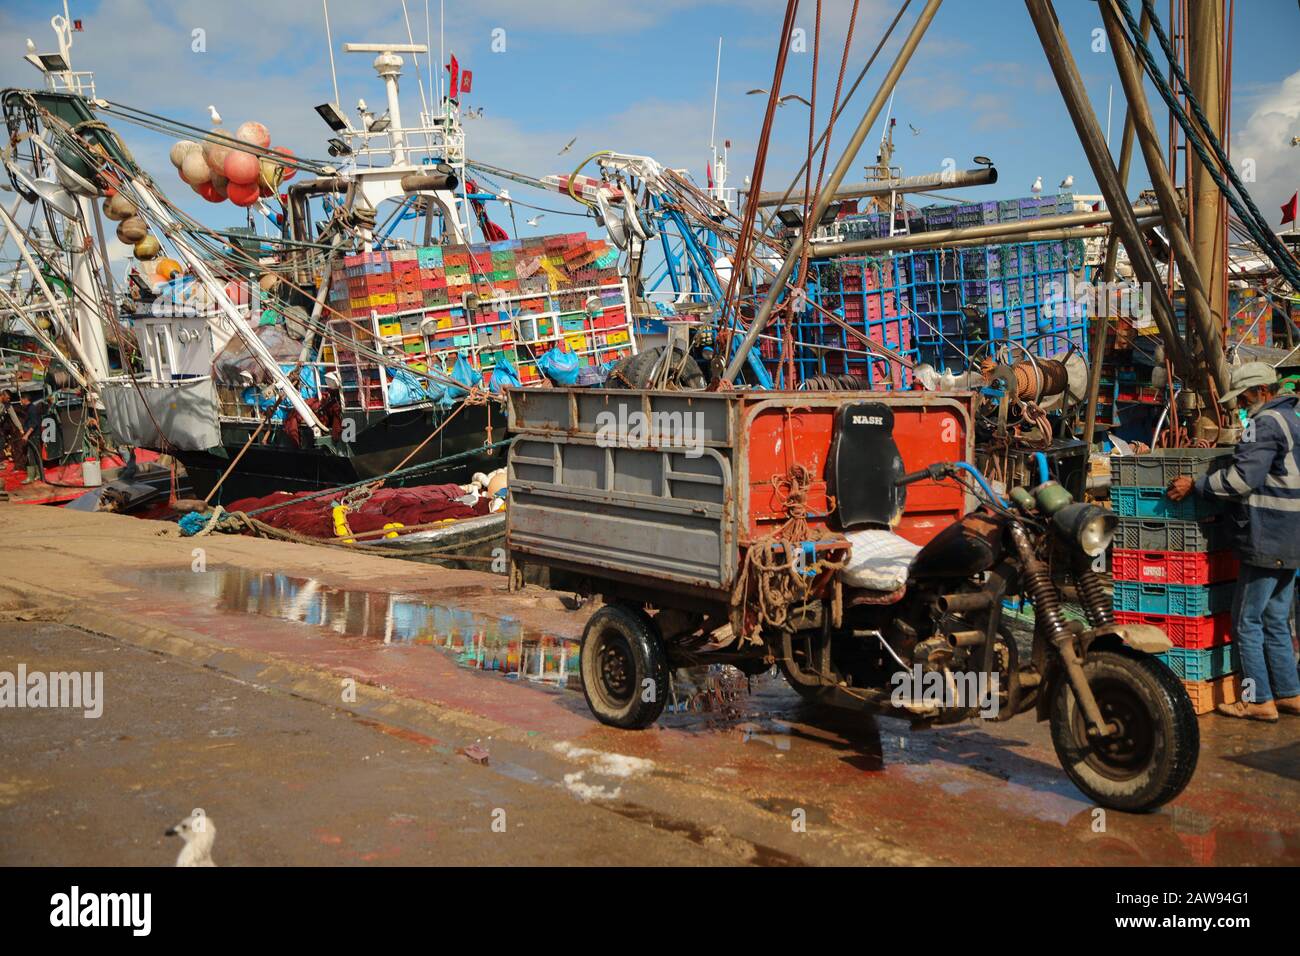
529	296
1172	568
1018	292
950	216
863	293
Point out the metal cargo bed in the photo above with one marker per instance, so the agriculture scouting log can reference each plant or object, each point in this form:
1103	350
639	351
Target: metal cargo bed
664	489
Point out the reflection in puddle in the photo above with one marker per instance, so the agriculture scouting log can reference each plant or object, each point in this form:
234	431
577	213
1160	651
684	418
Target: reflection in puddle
475	640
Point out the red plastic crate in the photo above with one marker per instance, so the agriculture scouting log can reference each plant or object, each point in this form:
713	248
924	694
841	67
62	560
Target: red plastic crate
1196	633
1174	567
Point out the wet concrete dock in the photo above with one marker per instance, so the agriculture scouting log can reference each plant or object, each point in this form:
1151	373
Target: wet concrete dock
322	704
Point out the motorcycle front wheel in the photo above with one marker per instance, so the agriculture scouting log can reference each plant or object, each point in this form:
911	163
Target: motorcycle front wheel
1150	757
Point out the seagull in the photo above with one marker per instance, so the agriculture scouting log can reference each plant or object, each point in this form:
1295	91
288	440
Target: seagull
1037	187
199	833
214	115
503	197
567	146
1067	182
31	45
782	100
536	219
915	131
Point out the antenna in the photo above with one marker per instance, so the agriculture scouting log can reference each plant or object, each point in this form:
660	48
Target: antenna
717	77
329	40
389	67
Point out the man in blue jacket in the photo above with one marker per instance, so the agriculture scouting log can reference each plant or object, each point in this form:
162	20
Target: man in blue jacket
1263	483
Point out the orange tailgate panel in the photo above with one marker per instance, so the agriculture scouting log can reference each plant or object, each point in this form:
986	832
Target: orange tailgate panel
779	437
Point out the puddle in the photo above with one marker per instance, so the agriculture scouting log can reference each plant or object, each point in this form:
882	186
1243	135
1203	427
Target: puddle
475	640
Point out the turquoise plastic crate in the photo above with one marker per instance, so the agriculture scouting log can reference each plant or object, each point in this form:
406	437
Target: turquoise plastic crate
1205	664
1182	600
1151	502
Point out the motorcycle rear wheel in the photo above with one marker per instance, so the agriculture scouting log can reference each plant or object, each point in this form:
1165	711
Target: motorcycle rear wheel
1150	760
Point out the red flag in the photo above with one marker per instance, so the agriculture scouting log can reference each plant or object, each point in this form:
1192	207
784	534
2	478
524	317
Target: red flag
1289	209
454	68
466	80
708	172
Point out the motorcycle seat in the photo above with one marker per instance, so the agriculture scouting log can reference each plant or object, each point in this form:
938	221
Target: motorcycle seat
879	560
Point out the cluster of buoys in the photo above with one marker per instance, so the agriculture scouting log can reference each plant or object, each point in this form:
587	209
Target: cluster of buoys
132	230
218	171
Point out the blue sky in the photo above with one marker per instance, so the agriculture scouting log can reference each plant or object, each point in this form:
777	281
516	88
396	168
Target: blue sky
638	77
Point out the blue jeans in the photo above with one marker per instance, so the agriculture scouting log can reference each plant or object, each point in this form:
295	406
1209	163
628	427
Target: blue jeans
1261	627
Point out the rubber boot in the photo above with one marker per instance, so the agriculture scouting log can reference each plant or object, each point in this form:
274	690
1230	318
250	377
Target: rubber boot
31	475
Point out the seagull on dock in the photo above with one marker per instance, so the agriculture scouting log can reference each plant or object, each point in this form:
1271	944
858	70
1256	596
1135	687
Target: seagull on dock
214	115
199	833
1037	187
536	219
1067	182
567	146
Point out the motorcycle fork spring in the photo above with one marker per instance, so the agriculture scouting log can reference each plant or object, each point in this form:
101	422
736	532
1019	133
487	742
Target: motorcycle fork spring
1096	605
1038	582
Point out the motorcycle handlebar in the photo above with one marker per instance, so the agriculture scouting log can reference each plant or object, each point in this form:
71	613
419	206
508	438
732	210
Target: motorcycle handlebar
935	472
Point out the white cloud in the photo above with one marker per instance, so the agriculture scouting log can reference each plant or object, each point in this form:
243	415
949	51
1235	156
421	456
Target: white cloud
1265	138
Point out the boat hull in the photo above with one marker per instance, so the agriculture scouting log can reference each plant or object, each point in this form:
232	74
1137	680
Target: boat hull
383	442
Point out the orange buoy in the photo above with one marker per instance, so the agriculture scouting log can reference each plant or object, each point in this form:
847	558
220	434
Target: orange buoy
168	269
242	194
241	167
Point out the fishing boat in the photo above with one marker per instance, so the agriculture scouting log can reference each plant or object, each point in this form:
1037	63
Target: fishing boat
330	348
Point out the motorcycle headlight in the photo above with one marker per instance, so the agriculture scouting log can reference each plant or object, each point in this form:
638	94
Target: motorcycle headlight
1088	526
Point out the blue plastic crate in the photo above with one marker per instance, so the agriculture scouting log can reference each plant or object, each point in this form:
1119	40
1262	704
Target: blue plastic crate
1181	600
1152	502
1204	663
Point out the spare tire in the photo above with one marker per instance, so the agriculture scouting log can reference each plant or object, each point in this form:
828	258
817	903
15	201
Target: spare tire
636	371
